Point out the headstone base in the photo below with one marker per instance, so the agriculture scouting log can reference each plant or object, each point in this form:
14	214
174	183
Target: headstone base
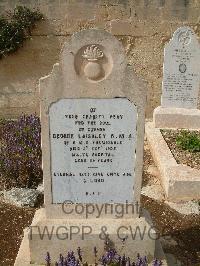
176	118
53	235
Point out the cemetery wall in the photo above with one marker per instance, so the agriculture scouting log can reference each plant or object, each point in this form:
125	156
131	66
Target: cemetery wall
143	26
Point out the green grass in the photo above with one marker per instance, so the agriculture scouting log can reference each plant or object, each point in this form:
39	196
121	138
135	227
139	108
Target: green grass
188	140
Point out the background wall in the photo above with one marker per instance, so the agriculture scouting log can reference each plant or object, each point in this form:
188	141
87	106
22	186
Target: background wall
143	26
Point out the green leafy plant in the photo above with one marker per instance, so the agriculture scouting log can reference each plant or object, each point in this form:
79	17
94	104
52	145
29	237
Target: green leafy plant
15	27
187	140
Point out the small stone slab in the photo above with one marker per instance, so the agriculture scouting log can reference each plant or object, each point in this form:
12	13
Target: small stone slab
185	208
176	118
21	197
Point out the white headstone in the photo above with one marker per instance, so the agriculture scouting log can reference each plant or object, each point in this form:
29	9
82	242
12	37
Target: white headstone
181	70
92	121
92	116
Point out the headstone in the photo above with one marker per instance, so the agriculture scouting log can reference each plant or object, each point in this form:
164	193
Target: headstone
92	152
92	120
180	87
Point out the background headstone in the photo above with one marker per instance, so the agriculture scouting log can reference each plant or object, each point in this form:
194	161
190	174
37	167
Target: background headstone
181	73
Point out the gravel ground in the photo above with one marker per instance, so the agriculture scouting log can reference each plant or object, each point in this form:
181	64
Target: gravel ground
12	222
184	229
191	159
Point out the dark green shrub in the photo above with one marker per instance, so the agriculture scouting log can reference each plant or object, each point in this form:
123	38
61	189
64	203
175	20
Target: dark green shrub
190	141
20	152
15	28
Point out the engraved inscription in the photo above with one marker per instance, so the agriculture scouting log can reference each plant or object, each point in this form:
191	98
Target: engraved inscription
93	144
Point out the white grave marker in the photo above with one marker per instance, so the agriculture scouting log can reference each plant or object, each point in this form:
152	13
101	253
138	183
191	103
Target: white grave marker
180	88
92	121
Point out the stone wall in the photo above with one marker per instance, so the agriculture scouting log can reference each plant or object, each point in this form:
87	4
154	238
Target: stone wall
143	26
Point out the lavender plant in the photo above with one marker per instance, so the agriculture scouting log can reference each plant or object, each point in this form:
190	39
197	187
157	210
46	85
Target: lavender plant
111	258
69	260
157	262
141	261
20	152
48	259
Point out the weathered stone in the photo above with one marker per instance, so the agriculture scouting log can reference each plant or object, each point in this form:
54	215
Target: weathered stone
112	83
23	257
176	118
40	188
118	27
153	170
185	208
61	239
22	197
92	88
153	191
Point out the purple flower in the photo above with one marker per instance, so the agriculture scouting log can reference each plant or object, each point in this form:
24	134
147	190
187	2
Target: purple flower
48	259
157	262
61	260
20	152
110	256
141	261
71	260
